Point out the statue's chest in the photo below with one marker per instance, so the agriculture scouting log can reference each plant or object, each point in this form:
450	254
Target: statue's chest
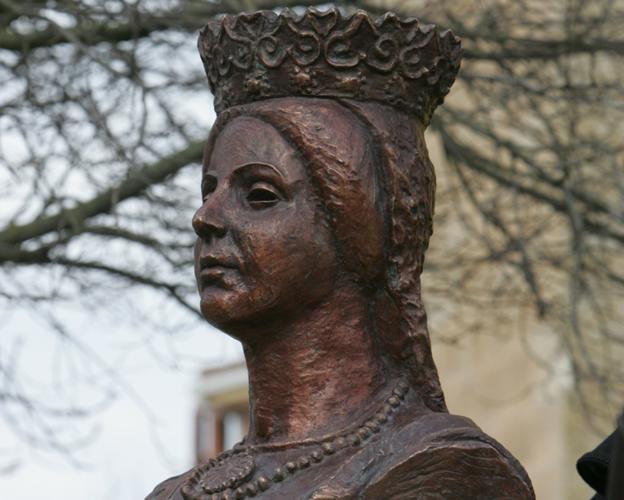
311	473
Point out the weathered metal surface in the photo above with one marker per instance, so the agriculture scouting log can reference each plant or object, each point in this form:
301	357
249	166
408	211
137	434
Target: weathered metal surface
317	210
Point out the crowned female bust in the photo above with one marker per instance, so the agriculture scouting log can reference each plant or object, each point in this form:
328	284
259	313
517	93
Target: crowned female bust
317	209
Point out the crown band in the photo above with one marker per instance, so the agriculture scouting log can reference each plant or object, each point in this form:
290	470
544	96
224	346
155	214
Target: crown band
400	62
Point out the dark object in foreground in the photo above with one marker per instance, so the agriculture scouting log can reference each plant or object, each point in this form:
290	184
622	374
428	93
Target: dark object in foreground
616	470
317	210
603	467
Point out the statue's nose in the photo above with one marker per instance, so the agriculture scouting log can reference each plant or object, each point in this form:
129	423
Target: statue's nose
208	221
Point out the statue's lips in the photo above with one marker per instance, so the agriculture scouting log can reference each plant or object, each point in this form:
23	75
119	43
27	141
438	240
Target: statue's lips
212	261
216	272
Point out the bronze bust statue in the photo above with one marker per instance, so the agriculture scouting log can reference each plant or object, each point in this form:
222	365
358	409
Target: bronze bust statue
317	209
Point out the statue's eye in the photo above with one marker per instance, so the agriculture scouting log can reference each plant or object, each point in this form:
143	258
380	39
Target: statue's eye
262	195
209	184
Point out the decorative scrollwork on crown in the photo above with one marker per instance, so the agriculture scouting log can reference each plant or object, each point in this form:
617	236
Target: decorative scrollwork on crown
392	60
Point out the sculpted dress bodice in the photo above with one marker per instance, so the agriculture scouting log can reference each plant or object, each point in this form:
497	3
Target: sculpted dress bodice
414	454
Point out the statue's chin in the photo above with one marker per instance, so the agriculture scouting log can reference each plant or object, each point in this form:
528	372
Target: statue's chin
232	311
251	310
221	308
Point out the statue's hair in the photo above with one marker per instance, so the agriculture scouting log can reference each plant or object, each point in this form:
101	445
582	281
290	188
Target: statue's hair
382	234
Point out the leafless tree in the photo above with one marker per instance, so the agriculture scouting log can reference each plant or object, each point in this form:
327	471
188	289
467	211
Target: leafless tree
104	107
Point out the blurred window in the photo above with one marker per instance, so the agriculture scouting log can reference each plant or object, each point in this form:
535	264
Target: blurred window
233	428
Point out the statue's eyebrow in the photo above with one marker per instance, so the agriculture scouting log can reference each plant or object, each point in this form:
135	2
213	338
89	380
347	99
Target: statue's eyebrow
252	164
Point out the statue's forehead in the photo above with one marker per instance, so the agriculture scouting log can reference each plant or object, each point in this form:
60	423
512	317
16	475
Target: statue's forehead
246	140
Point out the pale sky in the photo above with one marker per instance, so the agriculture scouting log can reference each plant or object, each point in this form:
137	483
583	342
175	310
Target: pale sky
131	451
129	455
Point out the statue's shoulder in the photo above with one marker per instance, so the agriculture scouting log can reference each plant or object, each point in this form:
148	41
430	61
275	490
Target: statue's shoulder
169	489
432	456
438	455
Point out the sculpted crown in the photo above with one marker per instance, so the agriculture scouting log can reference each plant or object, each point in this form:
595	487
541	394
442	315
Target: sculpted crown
392	60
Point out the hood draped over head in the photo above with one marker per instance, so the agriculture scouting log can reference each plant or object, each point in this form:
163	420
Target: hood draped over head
353	94
375	185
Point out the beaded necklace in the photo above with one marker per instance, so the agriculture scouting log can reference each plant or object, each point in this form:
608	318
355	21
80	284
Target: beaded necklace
238	464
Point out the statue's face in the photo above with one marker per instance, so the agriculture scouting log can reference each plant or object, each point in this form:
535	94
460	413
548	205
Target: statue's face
263	250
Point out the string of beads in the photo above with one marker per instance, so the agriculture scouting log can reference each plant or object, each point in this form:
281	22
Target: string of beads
238	464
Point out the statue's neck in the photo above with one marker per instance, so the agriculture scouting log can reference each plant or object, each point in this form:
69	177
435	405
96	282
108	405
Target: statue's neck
317	375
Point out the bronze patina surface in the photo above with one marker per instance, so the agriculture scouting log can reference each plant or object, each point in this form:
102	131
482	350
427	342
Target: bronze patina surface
317	208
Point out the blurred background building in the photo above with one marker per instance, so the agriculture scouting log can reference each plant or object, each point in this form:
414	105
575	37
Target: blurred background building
222	410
